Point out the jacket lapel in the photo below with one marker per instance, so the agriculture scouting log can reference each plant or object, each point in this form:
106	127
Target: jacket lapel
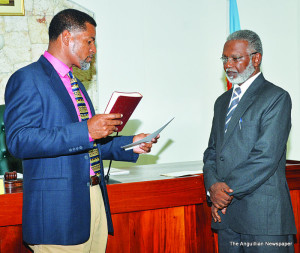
60	90
247	99
223	112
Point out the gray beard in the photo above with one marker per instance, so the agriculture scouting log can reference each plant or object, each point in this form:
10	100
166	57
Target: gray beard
84	65
242	77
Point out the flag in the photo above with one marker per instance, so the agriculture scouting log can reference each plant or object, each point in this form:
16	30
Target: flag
234	24
234	20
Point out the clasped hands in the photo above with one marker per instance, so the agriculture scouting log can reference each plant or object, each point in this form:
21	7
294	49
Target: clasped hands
219	196
102	125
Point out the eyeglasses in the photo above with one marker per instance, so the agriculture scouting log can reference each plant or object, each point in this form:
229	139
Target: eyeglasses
234	59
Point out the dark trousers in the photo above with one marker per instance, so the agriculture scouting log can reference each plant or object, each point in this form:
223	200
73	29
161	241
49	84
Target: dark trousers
232	242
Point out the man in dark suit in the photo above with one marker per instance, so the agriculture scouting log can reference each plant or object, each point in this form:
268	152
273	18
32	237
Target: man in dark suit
51	124
244	164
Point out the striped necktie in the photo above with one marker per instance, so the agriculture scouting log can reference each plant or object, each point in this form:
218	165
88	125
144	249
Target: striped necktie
84	115
234	102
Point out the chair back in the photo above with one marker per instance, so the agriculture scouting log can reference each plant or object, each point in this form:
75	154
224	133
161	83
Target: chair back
8	163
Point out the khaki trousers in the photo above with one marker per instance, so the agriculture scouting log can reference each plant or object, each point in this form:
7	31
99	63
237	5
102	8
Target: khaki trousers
98	232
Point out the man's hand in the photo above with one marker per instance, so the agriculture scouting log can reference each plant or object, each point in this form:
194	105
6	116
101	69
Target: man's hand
219	195
102	125
143	147
215	215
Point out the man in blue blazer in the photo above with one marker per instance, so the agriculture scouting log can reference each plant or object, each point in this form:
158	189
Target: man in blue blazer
63	208
244	164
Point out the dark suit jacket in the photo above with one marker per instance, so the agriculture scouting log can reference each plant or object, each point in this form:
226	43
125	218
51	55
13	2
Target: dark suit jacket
42	128
250	158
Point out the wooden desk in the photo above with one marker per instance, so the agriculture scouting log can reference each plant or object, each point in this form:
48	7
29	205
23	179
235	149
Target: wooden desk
151	213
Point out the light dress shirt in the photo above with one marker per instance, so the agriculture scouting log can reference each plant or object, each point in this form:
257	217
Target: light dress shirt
244	86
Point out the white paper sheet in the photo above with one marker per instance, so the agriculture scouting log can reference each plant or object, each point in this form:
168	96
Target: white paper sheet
182	173
146	139
115	171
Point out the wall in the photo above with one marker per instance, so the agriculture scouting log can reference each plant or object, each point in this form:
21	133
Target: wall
169	51
278	26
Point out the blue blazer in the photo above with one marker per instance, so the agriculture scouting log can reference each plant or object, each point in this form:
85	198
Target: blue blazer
250	158
42	128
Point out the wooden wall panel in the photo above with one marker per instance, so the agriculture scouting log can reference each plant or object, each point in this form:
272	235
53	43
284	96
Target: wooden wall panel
197	222
120	241
295	196
293	175
11	240
163	230
191	217
156	194
206	237
11	209
160	230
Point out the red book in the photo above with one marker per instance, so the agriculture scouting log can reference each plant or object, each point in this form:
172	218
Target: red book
124	103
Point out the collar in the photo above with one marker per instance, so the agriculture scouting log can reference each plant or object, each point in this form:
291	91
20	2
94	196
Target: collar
244	86
61	68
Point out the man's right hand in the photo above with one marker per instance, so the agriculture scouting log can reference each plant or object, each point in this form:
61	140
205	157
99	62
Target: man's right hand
102	125
219	195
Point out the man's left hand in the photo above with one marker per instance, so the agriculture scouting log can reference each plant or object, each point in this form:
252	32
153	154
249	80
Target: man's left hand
143	147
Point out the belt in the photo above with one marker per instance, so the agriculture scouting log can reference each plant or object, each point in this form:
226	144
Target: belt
94	180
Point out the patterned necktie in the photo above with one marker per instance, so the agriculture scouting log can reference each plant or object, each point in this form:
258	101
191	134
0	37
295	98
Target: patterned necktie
234	102
84	115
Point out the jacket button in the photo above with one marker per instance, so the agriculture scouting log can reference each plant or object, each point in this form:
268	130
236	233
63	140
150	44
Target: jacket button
222	158
86	157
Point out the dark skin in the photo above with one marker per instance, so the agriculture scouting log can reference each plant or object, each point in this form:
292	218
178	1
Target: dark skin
219	192
74	47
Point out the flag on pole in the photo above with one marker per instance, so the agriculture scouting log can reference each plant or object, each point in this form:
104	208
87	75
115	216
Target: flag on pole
234	19
234	24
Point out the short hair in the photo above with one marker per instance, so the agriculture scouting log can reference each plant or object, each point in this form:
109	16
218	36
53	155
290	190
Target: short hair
69	19
251	37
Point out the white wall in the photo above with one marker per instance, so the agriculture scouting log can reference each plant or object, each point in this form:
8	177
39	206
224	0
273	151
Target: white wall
169	51
278	26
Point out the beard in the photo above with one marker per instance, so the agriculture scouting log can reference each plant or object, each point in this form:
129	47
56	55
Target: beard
241	77
84	65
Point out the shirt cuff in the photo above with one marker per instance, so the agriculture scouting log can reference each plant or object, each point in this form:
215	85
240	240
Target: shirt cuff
90	138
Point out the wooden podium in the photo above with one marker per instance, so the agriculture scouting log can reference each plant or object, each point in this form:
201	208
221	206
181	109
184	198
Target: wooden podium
151	213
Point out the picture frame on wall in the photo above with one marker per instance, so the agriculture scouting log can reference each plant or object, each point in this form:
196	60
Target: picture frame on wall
12	8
